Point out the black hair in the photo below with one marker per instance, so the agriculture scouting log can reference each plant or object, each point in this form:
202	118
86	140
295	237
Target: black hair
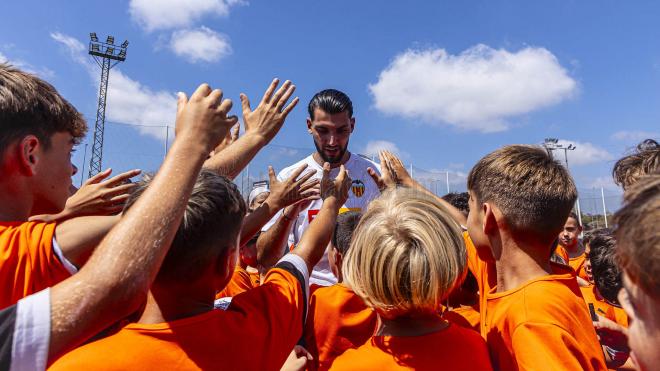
459	201
346	224
331	101
606	273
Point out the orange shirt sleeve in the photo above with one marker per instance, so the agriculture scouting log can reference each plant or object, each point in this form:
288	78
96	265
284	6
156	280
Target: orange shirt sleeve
28	263
542	346
561	251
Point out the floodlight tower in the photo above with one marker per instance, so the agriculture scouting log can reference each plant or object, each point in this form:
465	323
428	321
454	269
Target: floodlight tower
107	55
552	144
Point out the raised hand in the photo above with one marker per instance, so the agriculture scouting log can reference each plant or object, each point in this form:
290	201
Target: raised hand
292	190
203	119
267	119
228	140
97	196
336	188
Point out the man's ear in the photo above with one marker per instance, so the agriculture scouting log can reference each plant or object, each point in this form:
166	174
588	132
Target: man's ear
29	149
225	265
309	125
352	123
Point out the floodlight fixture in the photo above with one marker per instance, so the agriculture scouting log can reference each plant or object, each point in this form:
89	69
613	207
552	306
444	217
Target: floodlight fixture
124	44
92	36
110	40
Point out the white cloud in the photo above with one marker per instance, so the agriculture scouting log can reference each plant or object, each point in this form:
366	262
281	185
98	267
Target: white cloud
605	182
129	101
165	14
200	45
478	89
585	153
374	146
635	136
43	72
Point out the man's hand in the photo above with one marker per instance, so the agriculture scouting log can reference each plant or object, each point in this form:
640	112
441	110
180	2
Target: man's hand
97	196
267	119
338	187
203	119
292	190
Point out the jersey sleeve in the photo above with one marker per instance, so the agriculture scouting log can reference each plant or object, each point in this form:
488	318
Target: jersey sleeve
543	346
31	333
28	263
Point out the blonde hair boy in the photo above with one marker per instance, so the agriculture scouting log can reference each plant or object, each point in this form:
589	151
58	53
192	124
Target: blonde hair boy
405	256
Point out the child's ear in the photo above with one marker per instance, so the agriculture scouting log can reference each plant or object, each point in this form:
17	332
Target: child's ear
489	221
29	153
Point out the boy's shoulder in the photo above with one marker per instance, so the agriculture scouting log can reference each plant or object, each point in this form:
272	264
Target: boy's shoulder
337	295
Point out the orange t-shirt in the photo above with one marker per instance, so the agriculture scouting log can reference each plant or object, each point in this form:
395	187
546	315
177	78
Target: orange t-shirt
240	282
256	332
543	324
453	348
561	251
338	320
28	263
577	264
466	316
603	308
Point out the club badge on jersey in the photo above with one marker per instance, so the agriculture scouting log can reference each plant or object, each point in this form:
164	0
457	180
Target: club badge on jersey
357	187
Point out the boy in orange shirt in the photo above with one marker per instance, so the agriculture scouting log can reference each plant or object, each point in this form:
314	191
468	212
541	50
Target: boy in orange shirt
571	246
338	319
179	328
38	130
638	252
406	255
532	313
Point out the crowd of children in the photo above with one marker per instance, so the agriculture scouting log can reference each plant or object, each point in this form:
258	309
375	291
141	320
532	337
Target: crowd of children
168	273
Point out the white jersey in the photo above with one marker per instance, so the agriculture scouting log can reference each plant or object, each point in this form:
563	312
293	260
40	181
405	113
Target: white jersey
363	190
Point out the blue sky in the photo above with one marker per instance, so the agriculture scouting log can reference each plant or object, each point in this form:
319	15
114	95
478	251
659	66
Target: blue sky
440	82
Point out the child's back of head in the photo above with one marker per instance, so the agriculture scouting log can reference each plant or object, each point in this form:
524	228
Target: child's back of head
406	254
533	192
644	160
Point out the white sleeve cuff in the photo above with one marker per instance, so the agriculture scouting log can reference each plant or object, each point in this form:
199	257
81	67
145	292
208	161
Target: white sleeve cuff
301	266
60	255
31	333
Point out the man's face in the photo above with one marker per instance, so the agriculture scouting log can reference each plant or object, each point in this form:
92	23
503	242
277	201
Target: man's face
476	230
568	236
587	264
331	134
644	331
53	174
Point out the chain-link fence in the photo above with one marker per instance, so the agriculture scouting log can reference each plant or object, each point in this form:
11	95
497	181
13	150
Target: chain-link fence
129	146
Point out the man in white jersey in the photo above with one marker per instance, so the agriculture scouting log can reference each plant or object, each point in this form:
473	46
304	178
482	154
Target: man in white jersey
330	123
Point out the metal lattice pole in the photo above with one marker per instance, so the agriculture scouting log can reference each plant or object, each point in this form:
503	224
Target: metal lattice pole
107	55
97	146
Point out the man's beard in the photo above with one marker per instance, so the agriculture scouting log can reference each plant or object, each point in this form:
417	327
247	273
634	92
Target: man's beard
332	160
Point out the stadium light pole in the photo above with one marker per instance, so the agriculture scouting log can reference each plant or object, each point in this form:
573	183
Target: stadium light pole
107	55
552	144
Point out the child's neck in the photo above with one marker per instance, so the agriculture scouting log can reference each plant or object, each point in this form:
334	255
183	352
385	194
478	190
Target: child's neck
173	303
410	325
521	262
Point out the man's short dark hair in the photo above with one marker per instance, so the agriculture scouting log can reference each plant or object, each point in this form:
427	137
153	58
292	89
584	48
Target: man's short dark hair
346	224
31	106
210	224
606	272
330	101
459	201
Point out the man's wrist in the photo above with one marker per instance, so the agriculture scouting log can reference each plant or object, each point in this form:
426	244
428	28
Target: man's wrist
256	138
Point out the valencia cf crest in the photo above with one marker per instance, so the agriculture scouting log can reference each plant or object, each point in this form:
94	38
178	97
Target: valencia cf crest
357	187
